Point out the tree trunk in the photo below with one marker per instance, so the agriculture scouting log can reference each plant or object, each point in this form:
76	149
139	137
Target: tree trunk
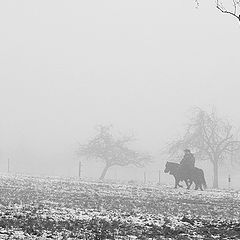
104	172
215	173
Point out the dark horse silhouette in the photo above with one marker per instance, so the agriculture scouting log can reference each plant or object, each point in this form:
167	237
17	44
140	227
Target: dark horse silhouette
195	175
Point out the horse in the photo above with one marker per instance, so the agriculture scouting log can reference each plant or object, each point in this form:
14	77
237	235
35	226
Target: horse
195	175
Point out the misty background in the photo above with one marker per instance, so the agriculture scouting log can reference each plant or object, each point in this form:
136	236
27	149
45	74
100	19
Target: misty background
66	66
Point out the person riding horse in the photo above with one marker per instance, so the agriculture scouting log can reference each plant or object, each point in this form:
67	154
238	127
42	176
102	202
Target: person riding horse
186	171
187	163
188	160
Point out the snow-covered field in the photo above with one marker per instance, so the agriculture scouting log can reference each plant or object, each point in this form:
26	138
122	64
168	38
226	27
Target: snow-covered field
57	208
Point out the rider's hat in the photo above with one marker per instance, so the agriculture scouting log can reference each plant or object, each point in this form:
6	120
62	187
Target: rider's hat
186	150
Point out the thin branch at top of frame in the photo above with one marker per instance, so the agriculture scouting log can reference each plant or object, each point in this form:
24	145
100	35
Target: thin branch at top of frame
235	11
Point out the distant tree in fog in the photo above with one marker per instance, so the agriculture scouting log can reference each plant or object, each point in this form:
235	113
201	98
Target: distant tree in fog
113	151
210	137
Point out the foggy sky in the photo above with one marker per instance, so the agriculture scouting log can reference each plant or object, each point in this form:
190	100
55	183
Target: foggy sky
69	65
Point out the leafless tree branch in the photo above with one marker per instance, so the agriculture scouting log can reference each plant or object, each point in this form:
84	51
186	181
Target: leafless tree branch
233	13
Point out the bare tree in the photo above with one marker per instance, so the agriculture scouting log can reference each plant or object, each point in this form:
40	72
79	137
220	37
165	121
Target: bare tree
113	151
210	137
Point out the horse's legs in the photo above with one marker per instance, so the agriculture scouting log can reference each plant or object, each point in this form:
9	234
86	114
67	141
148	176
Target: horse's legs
179	184
197	185
177	180
187	184
190	182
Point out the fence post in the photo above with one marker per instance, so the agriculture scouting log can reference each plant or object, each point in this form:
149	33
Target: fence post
145	178
159	177
229	181
79	169
8	165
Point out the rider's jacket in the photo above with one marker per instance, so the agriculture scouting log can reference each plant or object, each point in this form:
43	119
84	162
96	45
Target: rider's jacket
188	160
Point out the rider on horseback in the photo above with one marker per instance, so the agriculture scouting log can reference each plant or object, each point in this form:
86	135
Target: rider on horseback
186	165
188	160
186	171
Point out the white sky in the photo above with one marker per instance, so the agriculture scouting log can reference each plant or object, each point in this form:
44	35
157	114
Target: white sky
66	66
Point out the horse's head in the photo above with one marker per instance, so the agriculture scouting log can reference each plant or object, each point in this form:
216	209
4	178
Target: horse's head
167	167
171	167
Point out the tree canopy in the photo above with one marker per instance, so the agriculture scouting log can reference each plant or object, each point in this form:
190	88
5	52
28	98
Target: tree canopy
114	151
